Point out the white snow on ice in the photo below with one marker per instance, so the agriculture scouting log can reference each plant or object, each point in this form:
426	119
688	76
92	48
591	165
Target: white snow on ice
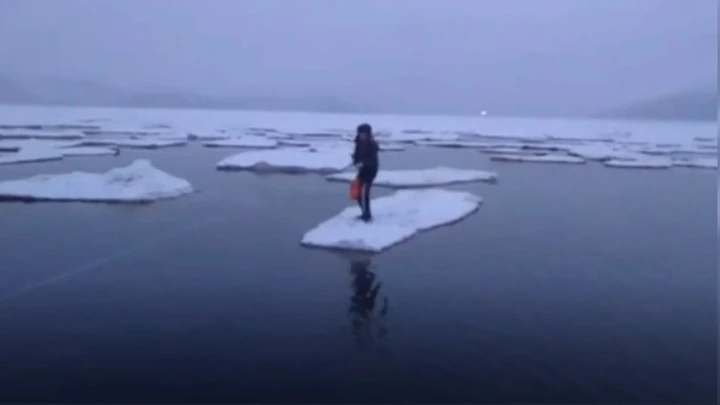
697	163
646	163
144	143
396	218
538	159
255	142
138	182
513	151
289	160
454	144
88	151
40	134
431	177
30	156
14	145
602	152
418	137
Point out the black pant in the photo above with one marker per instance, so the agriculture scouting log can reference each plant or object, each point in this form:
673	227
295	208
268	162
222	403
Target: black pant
366	176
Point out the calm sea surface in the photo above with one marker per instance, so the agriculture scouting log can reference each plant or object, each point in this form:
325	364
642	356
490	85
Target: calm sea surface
571	284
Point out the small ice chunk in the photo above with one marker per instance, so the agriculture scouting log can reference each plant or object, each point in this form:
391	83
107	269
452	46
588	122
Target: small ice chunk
432	177
697	163
14	145
422	136
138	182
289	160
255	142
294	142
207	136
538	159
396	218
601	152
390	147
39	134
643	163
88	151
30	156
144	143
277	135
454	144
128	132
512	151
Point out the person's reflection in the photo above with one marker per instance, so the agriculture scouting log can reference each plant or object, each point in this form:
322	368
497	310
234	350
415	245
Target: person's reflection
366	316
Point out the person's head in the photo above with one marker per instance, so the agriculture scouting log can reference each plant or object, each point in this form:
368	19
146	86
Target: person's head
364	132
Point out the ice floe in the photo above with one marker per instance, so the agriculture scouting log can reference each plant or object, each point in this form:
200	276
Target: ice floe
396	218
601	152
88	151
207	136
14	145
40	134
419	137
538	159
431	177
390	147
697	163
647	163
138	182
255	142
31	156
454	144
294	142
144	143
128	132
513	151
289	160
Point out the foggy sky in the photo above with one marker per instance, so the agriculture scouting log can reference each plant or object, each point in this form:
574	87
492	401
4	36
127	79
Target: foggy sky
569	55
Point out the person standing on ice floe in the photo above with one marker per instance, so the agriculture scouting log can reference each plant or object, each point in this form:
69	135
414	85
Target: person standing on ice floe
365	159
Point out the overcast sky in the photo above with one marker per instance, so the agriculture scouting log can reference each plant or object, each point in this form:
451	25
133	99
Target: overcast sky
581	55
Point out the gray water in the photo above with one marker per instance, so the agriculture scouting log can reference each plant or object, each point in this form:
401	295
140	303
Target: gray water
571	284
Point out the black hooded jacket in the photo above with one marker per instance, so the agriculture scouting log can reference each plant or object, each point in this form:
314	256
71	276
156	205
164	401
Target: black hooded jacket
366	152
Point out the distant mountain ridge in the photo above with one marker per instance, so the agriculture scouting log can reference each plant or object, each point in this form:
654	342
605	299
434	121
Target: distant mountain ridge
689	105
87	93
695	105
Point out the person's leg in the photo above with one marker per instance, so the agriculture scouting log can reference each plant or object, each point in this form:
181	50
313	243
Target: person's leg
366	213
368	178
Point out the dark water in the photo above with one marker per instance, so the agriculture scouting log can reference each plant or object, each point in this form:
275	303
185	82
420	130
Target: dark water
571	284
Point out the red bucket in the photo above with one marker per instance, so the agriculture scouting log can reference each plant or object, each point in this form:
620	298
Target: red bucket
355	188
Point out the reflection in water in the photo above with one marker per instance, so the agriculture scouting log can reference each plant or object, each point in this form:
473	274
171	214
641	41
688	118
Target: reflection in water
365	315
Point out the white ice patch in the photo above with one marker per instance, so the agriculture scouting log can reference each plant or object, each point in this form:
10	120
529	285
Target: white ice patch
601	152
40	134
419	137
455	144
697	163
538	159
646	163
396	218
289	160
390	147
88	151
138	182
14	145
277	135
432	177
30	156
144	143
128	132
294	142
255	142
513	151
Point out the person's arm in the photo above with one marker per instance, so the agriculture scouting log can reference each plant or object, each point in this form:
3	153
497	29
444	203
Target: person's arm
357	155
